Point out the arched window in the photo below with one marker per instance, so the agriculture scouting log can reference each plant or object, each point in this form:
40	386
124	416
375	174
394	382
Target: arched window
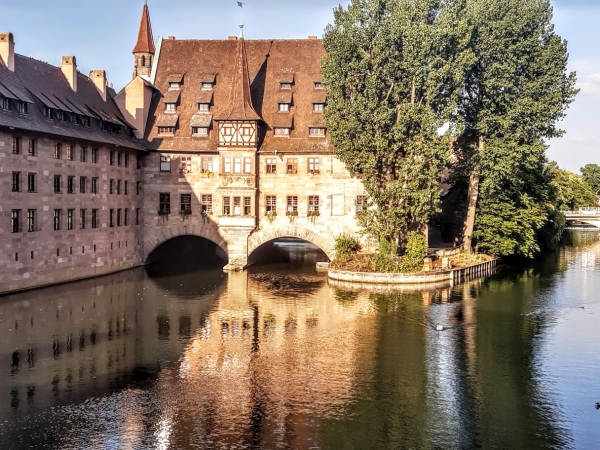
143	61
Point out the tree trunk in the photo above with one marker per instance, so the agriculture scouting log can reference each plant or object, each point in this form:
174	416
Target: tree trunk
473	195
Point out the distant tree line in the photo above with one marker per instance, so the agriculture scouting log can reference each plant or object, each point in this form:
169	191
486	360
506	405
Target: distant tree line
493	74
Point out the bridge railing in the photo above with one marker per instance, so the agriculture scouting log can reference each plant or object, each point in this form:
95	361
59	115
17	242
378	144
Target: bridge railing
583	212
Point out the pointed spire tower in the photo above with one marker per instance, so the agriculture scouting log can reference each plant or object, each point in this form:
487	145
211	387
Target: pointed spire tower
144	49
238	123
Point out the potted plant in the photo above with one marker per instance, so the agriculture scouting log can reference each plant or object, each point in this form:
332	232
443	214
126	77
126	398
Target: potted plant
185	213
208	173
312	216
164	213
206	216
271	215
291	215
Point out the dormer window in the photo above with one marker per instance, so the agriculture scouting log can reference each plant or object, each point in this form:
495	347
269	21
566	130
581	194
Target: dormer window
84	120
61	115
282	132
316	132
174	85
170	107
168	131
200	131
207	86
22	106
47	112
286	86
5	103
203	107
284	107
318	85
318	107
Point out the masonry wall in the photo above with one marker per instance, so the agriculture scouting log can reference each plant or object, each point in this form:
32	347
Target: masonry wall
45	255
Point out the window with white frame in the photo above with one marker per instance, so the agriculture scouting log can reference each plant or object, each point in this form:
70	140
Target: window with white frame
271	165
313	165
203	107
165	164
282	131
316	131
237	165
227	165
318	107
207	164
284	107
200	131
170	107
186	164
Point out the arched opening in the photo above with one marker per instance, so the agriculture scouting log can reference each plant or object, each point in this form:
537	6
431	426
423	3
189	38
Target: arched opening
143	61
185	254
287	250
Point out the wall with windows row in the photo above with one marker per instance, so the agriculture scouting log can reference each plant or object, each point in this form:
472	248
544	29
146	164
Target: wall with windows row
58	218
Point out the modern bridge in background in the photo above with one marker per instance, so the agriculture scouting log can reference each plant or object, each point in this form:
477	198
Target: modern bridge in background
589	216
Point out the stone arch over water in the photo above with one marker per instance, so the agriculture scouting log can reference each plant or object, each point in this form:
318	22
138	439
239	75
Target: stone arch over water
159	236
325	243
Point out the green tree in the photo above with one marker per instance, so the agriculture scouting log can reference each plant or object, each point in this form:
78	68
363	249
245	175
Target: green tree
517	90
392	71
572	191
591	175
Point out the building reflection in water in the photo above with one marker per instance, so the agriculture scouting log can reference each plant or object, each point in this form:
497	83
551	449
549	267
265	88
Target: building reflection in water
274	357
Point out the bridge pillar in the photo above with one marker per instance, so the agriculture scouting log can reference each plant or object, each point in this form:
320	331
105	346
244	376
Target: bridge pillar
237	246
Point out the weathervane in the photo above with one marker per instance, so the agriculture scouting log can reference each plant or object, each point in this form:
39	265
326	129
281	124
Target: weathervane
241	5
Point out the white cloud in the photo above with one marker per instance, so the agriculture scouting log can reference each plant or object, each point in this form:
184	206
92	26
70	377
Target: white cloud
590	86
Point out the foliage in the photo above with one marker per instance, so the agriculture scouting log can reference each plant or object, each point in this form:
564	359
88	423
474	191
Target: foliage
416	250
345	246
591	175
516	91
572	192
391	76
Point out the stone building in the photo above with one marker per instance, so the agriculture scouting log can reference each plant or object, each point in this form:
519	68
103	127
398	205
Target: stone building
222	139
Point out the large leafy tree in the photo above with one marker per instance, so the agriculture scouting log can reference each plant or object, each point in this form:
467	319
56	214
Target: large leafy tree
516	91
591	175
572	192
392	72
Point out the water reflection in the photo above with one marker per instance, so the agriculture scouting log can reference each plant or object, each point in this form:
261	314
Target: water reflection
277	357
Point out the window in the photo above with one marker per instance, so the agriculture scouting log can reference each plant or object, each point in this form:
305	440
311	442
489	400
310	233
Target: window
70	185
313	165
186	164
318	85
271	204
57	184
237	206
126	187
247	165
57	214
206	200
227	165
15	220
165	164
186	203
83	154
170	107
313	203
119	213
200	131
61	115
137	216
95	153
203	107
111	218
292	203
111	186
174	86
82	183
226	206
126	159
119	159
237	165
164	203
32	147
16	145
271	165
47	112
207	164
31	222
285	85
206	86
247	206
16	181
94	185
318	132
82	218
138	185
31	182
292	165
318	107
282	131
166	130
111	158
118	187
57	151
94	218
125	217
5	103
70	153
284	107
70	214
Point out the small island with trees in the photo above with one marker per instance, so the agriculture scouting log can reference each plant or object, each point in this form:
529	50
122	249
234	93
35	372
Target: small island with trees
465	94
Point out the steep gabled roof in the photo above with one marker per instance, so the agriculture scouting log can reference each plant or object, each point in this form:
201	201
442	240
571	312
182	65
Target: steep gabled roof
240	100
145	40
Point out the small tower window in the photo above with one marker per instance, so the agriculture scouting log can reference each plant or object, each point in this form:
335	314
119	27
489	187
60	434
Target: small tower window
143	61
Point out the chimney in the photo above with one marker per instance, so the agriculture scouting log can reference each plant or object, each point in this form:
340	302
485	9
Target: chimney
69	68
232	38
312	38
7	50
98	77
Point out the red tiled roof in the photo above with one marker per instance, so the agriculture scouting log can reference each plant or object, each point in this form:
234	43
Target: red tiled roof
145	41
268	63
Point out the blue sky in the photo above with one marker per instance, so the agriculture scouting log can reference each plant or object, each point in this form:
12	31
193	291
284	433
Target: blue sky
101	34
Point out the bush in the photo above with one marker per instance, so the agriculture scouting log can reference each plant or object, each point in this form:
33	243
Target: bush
384	263
416	250
345	246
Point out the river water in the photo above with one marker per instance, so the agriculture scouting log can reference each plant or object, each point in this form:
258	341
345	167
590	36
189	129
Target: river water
277	358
